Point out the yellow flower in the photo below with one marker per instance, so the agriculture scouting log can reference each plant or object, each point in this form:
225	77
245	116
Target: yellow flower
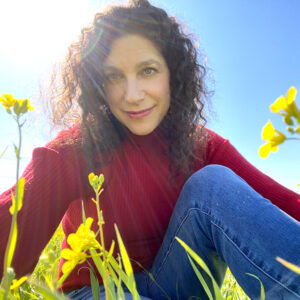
96	181
20	106
79	242
73	258
84	238
17	283
283	103
7	101
286	106
273	138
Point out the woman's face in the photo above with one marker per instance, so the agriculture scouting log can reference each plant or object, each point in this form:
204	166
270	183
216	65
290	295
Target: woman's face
137	83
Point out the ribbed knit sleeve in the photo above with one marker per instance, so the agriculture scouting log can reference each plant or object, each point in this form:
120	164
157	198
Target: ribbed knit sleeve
51	183
220	151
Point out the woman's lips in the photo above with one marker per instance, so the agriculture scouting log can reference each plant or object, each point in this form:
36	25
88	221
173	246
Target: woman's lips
139	114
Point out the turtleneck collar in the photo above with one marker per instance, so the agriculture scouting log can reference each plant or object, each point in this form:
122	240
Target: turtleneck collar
155	138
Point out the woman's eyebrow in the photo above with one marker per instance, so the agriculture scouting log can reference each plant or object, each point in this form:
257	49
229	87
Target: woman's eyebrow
148	62
138	65
110	68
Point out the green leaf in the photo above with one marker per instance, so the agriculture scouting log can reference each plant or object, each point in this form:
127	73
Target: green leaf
201	279
17	108
111	250
262	290
124	255
21	183
94	285
83	212
12	245
119	271
20	190
63	278
117	281
2	153
98	262
17	152
127	266
288	120
203	265
111	293
290	129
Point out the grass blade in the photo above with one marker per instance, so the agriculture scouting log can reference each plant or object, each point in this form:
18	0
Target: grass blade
203	265
12	245
262	290
127	266
124	255
289	265
2	153
201	279
83	213
94	285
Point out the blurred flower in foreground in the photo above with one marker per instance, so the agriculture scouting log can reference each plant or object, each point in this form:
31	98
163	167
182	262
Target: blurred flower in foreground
73	258
79	242
19	106
273	138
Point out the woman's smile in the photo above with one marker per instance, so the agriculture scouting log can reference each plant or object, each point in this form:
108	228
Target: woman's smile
140	114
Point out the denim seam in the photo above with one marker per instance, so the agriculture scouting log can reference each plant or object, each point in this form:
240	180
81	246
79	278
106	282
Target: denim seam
254	264
173	240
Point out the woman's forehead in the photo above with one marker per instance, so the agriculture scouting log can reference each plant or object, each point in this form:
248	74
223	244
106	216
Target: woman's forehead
133	50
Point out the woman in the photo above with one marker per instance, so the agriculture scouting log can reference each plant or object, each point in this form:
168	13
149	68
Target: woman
136	78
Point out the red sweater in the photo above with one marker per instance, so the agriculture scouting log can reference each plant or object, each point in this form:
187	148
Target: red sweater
138	197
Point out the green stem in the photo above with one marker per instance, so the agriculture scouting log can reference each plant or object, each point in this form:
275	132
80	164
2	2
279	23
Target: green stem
101	239
14	218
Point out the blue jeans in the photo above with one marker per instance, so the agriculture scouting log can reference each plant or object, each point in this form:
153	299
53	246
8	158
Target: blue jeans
227	224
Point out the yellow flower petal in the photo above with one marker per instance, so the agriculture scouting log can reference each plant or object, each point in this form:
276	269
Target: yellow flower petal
280	103
264	150
291	95
278	139
67	254
75	242
91	178
67	267
274	148
268	132
88	223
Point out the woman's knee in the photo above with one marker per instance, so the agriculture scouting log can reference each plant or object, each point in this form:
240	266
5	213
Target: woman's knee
210	175
212	183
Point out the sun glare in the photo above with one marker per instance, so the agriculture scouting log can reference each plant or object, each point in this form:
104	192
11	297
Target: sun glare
39	31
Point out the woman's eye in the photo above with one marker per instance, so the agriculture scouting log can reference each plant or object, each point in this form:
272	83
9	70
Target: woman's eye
113	77
149	71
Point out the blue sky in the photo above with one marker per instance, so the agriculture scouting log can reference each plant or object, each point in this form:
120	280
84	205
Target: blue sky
251	47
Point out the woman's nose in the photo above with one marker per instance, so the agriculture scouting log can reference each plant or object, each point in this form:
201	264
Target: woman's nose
134	92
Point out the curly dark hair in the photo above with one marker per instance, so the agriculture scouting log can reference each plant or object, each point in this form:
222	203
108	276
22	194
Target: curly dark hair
82	82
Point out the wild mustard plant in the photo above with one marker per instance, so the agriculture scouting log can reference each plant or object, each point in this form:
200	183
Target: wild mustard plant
17	108
286	107
84	244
